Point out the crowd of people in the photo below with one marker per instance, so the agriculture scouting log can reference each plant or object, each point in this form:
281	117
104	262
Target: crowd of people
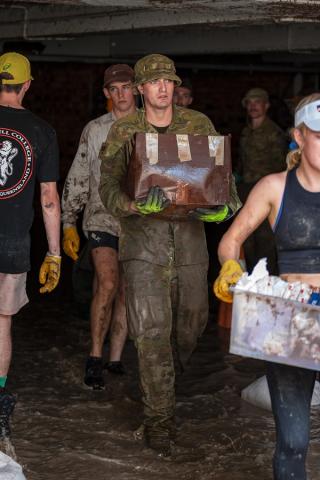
149	272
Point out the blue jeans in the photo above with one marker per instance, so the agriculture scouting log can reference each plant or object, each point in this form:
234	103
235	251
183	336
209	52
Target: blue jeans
291	391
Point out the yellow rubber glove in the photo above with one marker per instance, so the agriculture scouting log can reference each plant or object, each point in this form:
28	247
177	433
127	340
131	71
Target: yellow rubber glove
50	273
71	242
229	274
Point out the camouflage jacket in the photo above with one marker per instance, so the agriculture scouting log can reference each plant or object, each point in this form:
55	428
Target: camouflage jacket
81	186
143	238
262	151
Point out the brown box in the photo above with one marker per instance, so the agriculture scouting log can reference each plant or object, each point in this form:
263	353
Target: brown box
193	170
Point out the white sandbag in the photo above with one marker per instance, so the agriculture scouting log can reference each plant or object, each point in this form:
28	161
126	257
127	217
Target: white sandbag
316	395
9	469
257	393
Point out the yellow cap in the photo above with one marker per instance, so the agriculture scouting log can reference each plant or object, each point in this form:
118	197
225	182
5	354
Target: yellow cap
16	65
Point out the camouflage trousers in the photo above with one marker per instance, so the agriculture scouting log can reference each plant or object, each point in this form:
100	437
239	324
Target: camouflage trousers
167	310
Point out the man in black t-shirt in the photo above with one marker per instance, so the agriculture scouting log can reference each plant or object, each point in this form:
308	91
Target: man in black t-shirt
28	151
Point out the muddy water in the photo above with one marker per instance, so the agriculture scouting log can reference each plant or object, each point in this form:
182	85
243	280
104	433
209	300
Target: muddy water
63	431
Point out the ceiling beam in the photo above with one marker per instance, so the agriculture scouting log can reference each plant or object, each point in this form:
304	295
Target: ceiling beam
21	22
292	39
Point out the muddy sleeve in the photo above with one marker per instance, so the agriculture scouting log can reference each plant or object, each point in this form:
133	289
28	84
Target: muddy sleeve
76	188
234	204
202	125
114	157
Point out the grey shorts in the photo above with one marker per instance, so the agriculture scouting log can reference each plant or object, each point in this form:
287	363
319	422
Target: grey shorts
13	295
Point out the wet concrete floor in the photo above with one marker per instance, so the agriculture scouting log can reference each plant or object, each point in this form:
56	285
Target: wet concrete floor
60	430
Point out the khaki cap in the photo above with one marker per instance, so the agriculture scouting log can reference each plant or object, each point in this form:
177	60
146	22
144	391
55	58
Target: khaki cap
153	67
255	93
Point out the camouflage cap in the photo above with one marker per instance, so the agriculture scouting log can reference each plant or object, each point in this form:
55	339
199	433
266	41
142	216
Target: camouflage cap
153	67
255	93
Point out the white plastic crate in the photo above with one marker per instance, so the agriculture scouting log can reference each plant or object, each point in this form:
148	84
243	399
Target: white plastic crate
275	329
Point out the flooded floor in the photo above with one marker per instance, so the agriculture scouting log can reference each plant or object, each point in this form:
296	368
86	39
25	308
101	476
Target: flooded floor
60	430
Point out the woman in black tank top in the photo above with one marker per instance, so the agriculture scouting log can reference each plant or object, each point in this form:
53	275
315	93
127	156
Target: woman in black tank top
291	202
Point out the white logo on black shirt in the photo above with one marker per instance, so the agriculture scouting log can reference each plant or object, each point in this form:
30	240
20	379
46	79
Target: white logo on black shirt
16	162
7	154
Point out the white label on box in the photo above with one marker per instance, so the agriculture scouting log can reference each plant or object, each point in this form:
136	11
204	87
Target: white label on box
152	148
184	152
216	149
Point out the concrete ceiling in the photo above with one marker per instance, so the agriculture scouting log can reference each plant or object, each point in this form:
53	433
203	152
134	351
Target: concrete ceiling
107	29
96	16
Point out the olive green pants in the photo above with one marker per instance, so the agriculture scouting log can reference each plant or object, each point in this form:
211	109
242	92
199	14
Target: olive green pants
167	309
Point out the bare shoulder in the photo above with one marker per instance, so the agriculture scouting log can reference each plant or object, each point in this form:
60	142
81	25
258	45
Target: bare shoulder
267	195
271	186
262	203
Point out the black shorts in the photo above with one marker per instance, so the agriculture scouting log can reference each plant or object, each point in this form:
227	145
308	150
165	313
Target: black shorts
103	239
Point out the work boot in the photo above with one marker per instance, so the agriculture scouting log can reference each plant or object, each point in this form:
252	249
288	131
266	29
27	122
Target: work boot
7	404
93	374
158	439
159	434
116	368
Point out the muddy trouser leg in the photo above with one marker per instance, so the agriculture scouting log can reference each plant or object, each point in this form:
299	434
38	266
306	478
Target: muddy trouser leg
291	392
149	310
192	309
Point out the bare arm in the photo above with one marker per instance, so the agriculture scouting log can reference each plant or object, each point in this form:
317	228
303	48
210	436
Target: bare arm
50	203
262	203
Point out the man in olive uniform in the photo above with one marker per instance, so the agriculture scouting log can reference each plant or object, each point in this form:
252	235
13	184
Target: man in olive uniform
165	262
263	149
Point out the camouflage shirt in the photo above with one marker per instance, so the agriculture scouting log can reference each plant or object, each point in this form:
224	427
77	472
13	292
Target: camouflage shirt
262	151
81	186
143	238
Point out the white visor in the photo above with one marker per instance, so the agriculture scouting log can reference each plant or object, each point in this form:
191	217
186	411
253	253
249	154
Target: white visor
309	115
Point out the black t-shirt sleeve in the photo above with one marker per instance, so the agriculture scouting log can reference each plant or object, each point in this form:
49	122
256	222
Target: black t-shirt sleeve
48	161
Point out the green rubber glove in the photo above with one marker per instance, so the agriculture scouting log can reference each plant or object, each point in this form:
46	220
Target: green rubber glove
215	214
155	202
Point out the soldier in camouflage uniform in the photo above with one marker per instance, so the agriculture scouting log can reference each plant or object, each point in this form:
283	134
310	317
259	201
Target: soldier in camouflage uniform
102	229
263	150
165	262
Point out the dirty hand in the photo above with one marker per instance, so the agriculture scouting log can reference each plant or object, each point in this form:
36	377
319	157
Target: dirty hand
229	274
155	202
215	214
50	273
71	242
